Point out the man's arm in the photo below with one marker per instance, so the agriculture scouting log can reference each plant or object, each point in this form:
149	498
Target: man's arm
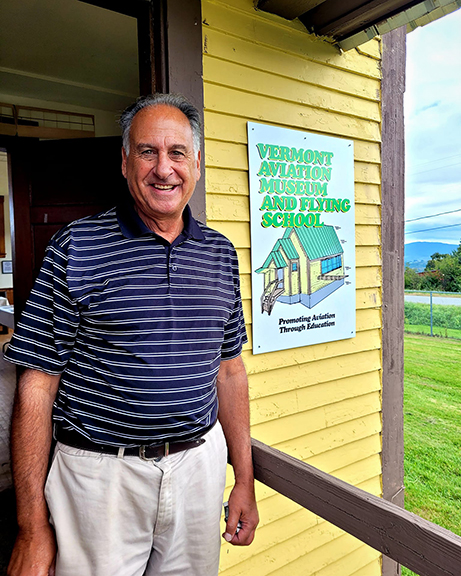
234	416
31	433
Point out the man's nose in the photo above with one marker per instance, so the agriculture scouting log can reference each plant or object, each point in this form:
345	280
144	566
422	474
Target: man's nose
163	167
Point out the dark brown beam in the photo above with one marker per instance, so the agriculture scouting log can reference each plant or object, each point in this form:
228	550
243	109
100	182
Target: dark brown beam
127	7
423	547
289	9
340	19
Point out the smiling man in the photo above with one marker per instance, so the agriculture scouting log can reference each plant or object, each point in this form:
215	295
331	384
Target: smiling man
132	342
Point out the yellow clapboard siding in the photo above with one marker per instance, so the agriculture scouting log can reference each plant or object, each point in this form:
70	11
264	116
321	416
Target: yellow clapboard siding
233	208
297	357
281	553
367	236
245	286
371	569
255	56
237	232
226	182
367	173
278	35
338	458
226	155
355	556
368	277
358	472
289	114
367	256
368	298
320	441
221	127
299	425
269	535
338	558
282	88
367	193
367	214
326	370
371	48
372	485
266	408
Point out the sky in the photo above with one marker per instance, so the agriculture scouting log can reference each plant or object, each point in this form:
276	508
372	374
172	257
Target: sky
433	131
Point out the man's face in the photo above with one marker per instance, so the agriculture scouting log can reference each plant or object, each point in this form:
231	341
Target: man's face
161	168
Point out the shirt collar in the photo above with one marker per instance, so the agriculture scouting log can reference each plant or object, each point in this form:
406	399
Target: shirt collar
133	227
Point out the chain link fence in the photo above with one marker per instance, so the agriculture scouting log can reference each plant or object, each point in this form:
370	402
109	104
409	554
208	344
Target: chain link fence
436	314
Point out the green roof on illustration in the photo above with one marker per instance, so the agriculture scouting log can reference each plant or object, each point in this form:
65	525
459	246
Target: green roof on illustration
317	242
287	245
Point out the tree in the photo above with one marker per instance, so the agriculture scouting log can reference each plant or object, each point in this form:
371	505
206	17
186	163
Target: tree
412	279
443	272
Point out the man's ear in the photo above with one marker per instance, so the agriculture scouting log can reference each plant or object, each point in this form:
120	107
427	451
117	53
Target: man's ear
199	156
124	158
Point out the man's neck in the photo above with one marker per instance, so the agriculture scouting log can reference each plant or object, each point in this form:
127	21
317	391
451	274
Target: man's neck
168	228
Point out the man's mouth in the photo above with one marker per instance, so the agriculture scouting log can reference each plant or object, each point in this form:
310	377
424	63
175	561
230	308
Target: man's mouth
163	187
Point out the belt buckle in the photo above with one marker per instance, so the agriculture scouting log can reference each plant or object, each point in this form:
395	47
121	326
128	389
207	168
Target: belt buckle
142	453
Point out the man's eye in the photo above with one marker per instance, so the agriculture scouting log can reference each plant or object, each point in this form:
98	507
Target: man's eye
177	153
147	152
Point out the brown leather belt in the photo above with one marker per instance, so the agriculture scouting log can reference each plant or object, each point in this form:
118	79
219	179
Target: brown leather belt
76	440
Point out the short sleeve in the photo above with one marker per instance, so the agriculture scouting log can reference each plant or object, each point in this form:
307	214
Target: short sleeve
45	335
235	335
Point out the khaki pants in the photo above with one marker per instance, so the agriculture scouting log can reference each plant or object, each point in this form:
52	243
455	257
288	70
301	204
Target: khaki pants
128	517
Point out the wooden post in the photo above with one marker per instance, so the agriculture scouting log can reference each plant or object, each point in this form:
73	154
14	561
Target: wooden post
392	210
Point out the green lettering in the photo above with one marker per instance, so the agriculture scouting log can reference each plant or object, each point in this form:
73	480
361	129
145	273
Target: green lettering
297	155
318	157
262	149
267	203
267	220
345	205
274	152
266	186
264	169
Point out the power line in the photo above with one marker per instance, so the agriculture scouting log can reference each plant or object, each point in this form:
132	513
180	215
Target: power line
430	229
432	169
436	160
433	215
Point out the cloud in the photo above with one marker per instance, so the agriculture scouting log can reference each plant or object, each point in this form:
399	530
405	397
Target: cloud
433	128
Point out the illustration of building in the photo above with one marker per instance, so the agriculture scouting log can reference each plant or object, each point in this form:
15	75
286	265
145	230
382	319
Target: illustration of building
306	265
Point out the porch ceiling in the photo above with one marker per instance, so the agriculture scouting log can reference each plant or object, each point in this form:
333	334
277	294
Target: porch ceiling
353	22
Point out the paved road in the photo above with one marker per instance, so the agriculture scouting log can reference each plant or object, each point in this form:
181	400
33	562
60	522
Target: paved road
435	300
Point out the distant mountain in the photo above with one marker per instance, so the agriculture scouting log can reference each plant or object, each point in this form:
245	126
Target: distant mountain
418	253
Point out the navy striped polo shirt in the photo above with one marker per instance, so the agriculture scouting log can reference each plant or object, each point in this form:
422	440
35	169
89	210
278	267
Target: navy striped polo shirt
136	327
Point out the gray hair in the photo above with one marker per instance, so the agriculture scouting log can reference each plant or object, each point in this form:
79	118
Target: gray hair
175	101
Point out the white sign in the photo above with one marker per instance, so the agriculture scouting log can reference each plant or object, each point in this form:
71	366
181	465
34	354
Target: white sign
302	238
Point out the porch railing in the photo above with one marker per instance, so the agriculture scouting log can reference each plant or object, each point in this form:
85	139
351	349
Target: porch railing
421	546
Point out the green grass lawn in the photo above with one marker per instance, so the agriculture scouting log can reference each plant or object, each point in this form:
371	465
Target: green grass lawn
437	330
433	430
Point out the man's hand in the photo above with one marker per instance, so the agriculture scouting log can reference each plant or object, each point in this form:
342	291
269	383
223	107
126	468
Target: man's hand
35	547
242	508
34	554
235	420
